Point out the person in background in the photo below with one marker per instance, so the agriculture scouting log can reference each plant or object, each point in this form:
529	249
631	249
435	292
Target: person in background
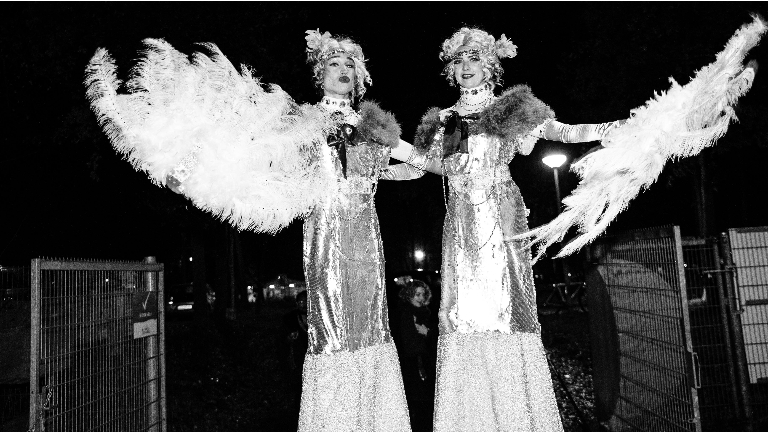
296	341
416	360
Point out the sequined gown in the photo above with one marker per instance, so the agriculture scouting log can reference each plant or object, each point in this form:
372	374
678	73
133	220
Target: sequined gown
492	372
352	379
492	369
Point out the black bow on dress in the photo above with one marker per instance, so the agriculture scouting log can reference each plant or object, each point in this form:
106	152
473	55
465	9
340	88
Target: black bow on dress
456	134
346	135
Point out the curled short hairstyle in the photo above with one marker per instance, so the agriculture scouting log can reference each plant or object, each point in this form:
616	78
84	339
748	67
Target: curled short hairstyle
320	47
409	290
488	48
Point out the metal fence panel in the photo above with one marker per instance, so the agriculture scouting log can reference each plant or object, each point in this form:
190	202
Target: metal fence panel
709	315
643	274
749	256
98	365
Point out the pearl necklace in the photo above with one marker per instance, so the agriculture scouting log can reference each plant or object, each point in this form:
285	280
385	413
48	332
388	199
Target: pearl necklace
475	99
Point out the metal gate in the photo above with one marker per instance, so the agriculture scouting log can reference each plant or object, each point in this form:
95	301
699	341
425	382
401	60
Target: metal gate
747	258
709	309
97	346
656	380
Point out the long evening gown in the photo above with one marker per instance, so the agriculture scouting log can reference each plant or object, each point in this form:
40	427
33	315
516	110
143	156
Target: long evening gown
492	371
352	379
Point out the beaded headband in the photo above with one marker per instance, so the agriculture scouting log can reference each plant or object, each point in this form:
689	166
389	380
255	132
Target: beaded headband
333	52
480	42
470	52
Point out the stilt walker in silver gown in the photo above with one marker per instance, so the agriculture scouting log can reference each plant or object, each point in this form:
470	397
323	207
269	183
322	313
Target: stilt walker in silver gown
352	378
252	156
492	373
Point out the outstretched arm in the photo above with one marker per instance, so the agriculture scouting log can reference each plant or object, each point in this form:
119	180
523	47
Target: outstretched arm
556	131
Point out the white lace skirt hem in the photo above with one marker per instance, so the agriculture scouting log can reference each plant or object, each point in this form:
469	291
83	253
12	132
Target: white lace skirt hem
360	391
492	381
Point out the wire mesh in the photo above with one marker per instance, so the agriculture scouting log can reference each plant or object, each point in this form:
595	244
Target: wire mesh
94	374
14	355
749	255
642	271
708	308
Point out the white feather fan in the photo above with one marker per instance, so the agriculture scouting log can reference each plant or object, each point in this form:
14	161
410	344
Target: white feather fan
672	125
261	160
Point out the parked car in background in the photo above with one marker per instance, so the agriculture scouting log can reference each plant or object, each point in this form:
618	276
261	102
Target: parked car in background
180	299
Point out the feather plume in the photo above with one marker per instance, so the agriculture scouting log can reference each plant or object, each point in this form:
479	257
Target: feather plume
674	124
261	159
377	124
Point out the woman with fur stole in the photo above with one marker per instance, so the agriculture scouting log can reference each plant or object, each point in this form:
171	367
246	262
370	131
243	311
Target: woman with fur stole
249	154
492	371
352	379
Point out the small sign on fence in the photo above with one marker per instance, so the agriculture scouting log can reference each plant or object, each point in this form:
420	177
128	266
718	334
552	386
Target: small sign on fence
144	314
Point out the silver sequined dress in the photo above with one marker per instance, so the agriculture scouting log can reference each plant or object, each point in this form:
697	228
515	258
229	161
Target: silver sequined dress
352	379
492	369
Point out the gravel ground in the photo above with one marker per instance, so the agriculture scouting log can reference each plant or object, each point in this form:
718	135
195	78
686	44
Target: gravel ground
231	379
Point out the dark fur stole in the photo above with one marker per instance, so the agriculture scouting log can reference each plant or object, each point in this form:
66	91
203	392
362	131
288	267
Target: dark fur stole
515	113
427	128
378	125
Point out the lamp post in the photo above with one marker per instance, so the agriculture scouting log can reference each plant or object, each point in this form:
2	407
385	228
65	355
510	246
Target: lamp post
554	161
419	255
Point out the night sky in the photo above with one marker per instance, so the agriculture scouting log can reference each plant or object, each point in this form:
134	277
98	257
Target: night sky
66	193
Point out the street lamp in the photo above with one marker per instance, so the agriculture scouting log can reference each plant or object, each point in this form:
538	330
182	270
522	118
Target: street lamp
419	255
554	161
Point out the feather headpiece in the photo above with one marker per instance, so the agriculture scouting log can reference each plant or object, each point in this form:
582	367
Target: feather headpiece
479	42
321	47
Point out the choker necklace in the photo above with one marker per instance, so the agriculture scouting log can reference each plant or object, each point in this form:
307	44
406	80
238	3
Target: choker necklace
343	106
475	99
336	104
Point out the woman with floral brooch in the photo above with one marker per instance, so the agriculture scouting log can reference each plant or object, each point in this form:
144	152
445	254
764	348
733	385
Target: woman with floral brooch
249	154
492	370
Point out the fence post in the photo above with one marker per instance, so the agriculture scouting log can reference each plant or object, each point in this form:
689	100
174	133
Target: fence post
734	322
35	408
150	282
722	278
